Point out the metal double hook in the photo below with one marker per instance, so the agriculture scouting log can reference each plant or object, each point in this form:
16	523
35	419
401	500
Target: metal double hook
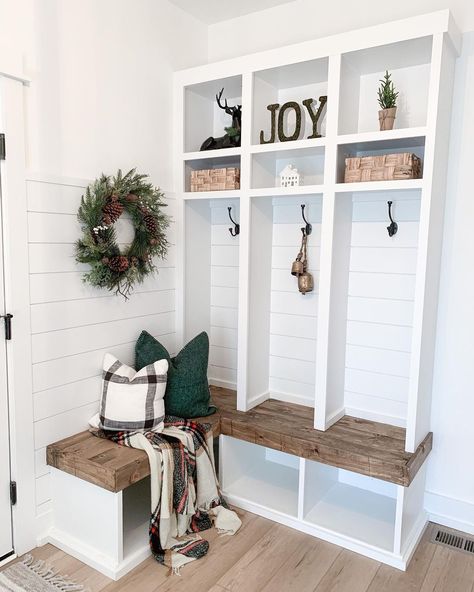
236	230
308	228
393	227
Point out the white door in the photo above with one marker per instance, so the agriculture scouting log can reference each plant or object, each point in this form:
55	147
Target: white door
6	539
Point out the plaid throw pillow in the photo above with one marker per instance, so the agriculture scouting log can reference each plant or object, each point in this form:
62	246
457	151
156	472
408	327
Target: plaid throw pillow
132	400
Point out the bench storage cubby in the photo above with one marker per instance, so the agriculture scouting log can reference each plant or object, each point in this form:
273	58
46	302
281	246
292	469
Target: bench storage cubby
367	515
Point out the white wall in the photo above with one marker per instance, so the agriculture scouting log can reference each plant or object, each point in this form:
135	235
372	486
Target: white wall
306	19
450	483
73	325
100	99
101	96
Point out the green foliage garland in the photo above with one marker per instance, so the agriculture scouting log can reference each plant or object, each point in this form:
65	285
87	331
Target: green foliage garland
101	206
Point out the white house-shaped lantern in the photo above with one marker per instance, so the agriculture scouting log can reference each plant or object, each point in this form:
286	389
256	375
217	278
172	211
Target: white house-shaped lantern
290	177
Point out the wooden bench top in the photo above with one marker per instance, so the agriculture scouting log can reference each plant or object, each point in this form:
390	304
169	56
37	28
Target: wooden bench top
367	447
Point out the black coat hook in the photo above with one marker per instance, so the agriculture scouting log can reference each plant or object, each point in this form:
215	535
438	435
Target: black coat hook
308	228
236	230
393	228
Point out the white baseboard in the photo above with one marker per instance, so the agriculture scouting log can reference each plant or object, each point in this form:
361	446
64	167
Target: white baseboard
335	416
257	400
95	559
379	417
291	398
223	383
450	512
44	523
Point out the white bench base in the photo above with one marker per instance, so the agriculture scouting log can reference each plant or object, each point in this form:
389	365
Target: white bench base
107	531
381	520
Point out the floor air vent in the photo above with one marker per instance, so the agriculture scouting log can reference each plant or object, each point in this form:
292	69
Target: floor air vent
453	540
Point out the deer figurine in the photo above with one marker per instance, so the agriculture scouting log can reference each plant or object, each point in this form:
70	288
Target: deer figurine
232	138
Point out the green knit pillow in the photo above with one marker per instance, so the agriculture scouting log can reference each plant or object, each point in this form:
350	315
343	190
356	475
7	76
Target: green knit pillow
187	390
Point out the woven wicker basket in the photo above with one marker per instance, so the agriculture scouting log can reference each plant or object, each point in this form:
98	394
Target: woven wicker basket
215	179
386	167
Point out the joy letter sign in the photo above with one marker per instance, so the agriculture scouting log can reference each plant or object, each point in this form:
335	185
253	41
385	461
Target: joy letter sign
287	108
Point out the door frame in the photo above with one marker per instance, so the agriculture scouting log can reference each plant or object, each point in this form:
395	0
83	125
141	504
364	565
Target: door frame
17	298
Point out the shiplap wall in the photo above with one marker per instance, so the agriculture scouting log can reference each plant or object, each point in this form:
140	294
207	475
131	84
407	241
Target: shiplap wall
380	307
224	295
293	321
74	325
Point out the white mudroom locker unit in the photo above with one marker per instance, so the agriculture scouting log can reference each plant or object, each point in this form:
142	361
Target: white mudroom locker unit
362	343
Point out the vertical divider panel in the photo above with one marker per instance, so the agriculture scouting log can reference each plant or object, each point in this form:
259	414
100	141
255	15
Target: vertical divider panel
332	397
259	300
197	267
180	270
301	488
397	535
327	245
244	245
178	178
411	517
430	241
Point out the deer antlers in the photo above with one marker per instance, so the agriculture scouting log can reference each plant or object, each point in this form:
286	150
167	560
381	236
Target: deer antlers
225	107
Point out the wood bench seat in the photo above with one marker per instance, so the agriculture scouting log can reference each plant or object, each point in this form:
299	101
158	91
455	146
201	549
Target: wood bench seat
366	447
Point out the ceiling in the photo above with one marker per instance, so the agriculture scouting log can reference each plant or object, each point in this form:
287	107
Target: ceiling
214	11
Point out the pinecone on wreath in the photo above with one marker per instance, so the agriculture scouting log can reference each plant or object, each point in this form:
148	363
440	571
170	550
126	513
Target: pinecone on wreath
119	263
150	223
112	210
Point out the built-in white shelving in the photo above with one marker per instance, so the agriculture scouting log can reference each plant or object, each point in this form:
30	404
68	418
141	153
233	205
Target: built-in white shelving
301	190
212	154
213	195
377	186
362	343
294	145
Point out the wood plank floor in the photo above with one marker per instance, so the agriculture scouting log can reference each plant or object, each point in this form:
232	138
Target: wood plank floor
268	557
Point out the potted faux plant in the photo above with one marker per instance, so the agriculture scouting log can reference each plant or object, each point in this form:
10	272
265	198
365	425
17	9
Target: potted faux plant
387	98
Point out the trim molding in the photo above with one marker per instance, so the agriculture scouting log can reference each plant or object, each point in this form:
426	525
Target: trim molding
450	512
290	398
371	416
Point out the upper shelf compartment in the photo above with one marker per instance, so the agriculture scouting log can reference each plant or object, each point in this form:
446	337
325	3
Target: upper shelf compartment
383	146
203	116
409	63
294	82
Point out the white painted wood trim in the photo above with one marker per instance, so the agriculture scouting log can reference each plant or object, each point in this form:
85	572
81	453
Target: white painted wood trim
301	488
257	400
430	243
450	512
17	302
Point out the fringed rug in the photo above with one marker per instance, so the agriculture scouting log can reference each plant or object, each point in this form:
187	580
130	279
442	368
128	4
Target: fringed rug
31	576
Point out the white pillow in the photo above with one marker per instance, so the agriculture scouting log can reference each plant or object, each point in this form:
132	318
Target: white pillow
132	401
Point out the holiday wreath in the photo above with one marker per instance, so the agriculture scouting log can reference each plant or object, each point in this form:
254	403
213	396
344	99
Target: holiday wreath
105	200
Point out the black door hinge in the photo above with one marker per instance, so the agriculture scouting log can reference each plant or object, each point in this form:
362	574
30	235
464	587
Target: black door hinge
13	493
8	325
3	150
